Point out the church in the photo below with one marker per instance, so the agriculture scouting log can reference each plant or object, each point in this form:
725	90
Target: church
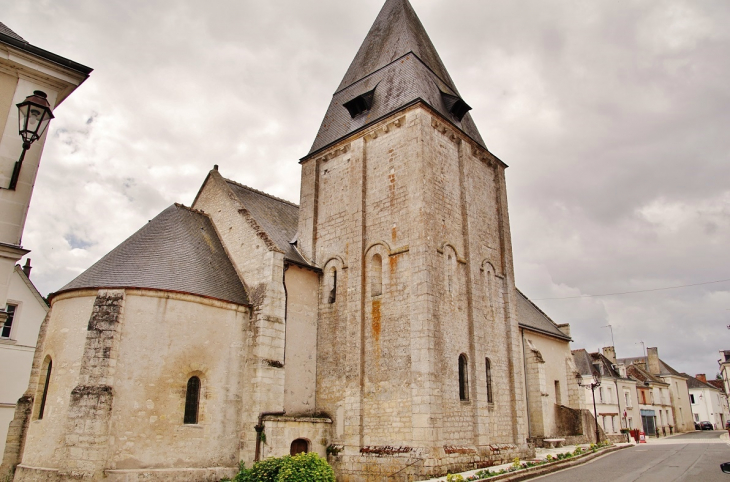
375	323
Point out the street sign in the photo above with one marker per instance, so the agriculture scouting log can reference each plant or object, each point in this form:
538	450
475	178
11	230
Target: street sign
642	438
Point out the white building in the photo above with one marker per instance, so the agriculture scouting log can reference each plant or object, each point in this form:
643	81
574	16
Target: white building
616	401
26	310
24	70
708	402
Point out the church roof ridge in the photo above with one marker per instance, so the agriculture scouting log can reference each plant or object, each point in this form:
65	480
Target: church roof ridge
257	191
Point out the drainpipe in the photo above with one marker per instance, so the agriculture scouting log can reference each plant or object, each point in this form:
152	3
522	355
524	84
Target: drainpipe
260	429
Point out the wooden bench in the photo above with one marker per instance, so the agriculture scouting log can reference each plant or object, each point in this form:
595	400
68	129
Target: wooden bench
554	442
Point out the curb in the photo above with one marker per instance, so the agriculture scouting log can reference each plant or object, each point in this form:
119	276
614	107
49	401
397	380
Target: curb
533	472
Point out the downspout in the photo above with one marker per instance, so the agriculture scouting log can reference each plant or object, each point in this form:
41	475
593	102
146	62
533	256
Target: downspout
527	392
260	430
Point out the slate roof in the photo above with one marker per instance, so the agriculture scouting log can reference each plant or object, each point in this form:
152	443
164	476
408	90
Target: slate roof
585	363
694	383
719	384
530	317
4	29
177	251
277	217
399	61
664	368
638	373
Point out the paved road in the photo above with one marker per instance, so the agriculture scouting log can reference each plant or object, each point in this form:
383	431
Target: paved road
689	457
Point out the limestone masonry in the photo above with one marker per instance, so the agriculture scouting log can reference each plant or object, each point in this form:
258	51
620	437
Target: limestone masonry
376	323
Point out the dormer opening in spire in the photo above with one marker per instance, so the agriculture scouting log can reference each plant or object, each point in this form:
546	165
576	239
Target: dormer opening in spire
397	55
360	104
455	105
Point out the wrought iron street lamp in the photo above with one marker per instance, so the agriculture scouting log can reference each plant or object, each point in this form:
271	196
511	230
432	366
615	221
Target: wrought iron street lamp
34	114
595	383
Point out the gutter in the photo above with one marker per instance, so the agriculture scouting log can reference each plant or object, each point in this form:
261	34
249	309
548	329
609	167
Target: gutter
50	56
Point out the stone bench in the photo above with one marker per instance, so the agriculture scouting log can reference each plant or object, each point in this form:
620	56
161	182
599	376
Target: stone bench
554	442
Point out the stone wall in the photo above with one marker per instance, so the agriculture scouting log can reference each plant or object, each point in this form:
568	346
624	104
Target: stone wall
260	266
116	409
416	208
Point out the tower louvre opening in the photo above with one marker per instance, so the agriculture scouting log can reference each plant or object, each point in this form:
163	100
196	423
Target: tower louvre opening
360	104
455	105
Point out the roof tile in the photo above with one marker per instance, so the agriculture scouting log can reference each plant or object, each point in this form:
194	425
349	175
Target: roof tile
178	251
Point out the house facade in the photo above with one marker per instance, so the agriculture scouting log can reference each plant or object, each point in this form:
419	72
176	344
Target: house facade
678	393
615	398
24	70
553	396
375	322
709	403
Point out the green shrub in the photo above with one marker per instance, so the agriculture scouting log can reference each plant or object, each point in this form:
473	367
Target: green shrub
300	468
305	468
263	471
454	478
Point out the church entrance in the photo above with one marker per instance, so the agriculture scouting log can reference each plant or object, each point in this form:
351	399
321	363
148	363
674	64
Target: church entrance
299	446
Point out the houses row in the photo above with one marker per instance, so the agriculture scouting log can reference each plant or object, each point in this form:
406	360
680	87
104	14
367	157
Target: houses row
569	391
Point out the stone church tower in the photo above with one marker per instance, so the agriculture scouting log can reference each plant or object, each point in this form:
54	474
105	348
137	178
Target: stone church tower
375	323
405	210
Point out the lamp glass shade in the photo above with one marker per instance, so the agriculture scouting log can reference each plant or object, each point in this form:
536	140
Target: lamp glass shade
34	115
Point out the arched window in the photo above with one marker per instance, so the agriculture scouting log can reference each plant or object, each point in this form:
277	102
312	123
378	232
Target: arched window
192	401
44	381
299	446
463	378
490	398
333	285
376	276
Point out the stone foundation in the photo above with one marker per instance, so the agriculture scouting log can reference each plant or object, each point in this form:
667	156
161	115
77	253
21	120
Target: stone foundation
410	464
187	474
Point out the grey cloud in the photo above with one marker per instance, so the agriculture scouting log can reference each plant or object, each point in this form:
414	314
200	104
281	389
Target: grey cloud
612	116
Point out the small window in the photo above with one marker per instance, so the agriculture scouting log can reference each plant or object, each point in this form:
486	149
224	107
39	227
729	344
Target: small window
463	378
490	399
44	381
455	105
376	276
299	446
192	401
558	399
692	398
360	104
8	325
333	283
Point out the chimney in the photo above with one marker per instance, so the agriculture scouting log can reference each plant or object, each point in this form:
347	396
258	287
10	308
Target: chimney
653	356
701	377
565	328
27	267
610	353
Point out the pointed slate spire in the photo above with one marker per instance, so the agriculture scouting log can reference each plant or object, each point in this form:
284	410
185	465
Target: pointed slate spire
396	66
397	31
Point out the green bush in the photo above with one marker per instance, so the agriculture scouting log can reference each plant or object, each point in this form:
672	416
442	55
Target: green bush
300	468
305	468
263	471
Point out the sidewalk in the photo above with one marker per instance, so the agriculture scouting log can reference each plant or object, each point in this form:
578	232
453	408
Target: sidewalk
540	455
671	439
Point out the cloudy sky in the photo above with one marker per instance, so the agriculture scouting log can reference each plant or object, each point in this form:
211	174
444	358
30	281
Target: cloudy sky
613	117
